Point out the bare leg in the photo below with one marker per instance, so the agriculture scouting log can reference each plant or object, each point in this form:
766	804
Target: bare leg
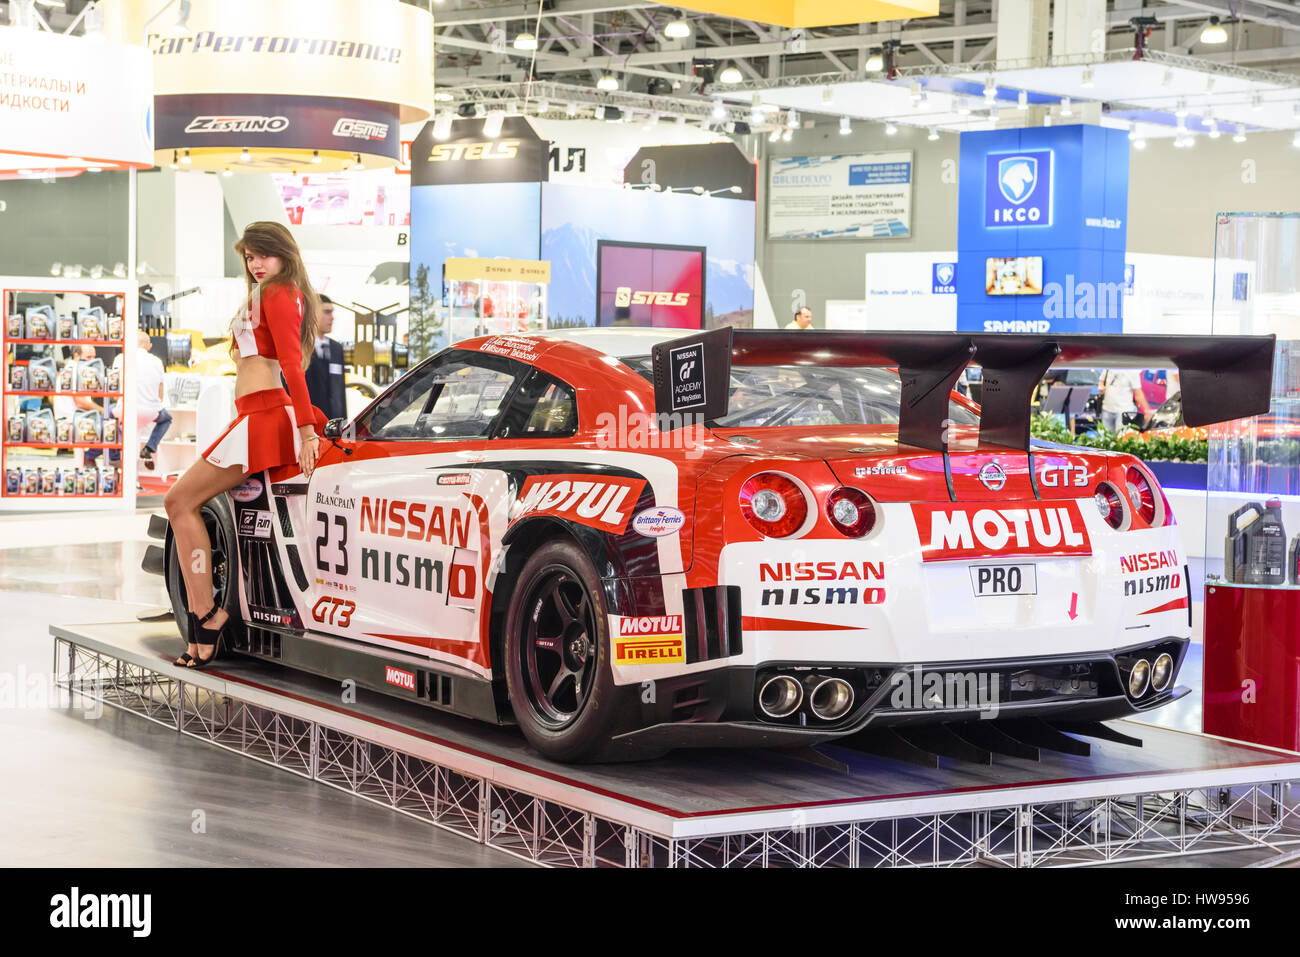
200	482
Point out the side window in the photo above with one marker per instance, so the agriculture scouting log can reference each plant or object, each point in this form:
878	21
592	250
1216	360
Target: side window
543	407
458	396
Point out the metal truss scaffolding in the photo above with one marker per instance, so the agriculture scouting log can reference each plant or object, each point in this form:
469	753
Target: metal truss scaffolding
469	798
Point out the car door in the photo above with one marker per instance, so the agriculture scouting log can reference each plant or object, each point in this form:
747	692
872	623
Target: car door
398	536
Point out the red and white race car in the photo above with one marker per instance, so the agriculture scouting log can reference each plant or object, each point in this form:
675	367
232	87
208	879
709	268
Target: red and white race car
627	542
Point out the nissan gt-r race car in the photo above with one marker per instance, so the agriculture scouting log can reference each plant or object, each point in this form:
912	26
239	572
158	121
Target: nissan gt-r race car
627	542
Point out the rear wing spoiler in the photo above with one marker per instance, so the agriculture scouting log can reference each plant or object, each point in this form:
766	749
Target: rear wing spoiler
1222	377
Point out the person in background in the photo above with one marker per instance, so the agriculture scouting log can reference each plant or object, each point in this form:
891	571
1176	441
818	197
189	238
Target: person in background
150	411
325	382
1121	392
802	319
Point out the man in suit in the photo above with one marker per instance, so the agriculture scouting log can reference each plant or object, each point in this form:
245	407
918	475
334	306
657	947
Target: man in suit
325	374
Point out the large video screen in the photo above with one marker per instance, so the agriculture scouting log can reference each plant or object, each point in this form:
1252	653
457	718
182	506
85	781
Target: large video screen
643	284
1014	276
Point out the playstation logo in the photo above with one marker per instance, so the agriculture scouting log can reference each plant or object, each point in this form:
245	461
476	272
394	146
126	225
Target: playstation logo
1019	189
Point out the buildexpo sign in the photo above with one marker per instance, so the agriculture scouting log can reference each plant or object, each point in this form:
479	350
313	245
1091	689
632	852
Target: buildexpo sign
67	103
255	85
852	196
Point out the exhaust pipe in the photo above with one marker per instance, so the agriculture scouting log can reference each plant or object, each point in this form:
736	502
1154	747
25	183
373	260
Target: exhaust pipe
831	698
780	696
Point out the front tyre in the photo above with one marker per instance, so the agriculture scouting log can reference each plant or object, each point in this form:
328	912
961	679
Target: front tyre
220	524
558	656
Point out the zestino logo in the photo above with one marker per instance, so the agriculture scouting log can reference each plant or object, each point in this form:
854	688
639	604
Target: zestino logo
490	150
238	124
361	129
649	640
626	296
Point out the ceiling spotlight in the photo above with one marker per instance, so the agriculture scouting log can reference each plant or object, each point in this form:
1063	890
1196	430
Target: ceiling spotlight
846	126
227	172
56	269
730	75
1067	108
442	126
875	62
181	26
1214	32
990	89
890	129
934	134
678	29
792	119
652	121
492	124
1214	130
442	96
480	110
719	112
245	156
543	106
1047	118
1180	109
1022	100
774	135
1239	136
1087	82
608	83
963	107
1140	143
526	42
175	163
787	136
914	90
185	159
315	156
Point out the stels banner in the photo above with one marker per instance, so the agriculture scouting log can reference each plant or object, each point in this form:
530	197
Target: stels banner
517	155
197	121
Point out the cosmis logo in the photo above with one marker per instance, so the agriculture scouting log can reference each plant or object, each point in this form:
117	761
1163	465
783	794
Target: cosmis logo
238	124
1018	189
1034	528
361	129
600	502
649	640
944	278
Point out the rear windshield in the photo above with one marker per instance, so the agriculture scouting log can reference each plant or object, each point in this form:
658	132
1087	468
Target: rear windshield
811	395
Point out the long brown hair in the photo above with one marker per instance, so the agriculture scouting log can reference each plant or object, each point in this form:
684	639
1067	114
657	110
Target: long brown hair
273	239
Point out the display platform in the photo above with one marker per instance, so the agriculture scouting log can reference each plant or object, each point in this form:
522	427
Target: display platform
1179	794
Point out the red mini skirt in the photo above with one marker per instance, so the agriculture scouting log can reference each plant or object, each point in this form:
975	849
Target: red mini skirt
263	436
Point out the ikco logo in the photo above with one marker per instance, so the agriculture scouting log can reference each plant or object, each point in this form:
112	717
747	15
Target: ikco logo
1034	528
944	278
1018	189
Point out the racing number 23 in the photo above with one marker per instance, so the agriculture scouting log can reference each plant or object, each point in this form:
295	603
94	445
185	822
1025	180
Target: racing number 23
323	542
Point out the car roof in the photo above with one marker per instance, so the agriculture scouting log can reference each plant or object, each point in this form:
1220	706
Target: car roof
621	342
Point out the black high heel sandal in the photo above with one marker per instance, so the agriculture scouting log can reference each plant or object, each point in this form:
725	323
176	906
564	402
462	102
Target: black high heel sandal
218	638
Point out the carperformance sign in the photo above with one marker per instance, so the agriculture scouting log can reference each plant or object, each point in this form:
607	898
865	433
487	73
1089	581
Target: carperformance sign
852	196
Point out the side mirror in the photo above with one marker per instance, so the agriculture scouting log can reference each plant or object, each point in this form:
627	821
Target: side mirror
334	428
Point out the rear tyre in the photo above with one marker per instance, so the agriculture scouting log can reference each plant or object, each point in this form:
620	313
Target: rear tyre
558	656
225	567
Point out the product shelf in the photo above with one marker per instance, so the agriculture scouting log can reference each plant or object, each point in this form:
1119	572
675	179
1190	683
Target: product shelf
110	343
62	445
89	395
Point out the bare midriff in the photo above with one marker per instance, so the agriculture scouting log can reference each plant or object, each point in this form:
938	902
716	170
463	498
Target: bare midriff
255	374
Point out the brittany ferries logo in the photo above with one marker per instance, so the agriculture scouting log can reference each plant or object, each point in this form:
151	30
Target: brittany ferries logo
1033	528
1018	189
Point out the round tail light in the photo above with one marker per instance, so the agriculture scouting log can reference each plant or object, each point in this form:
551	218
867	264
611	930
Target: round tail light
773	504
1141	494
850	511
1110	505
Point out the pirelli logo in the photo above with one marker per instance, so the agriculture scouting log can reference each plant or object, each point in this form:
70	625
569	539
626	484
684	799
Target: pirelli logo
472	152
627	296
649	640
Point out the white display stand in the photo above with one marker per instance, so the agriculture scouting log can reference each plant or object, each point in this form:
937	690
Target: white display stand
128	437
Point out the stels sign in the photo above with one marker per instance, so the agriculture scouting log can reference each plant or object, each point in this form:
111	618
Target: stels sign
517	155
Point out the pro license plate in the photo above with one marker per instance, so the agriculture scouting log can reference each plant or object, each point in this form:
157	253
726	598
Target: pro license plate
987	580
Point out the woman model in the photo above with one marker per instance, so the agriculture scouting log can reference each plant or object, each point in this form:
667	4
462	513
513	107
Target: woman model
274	430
